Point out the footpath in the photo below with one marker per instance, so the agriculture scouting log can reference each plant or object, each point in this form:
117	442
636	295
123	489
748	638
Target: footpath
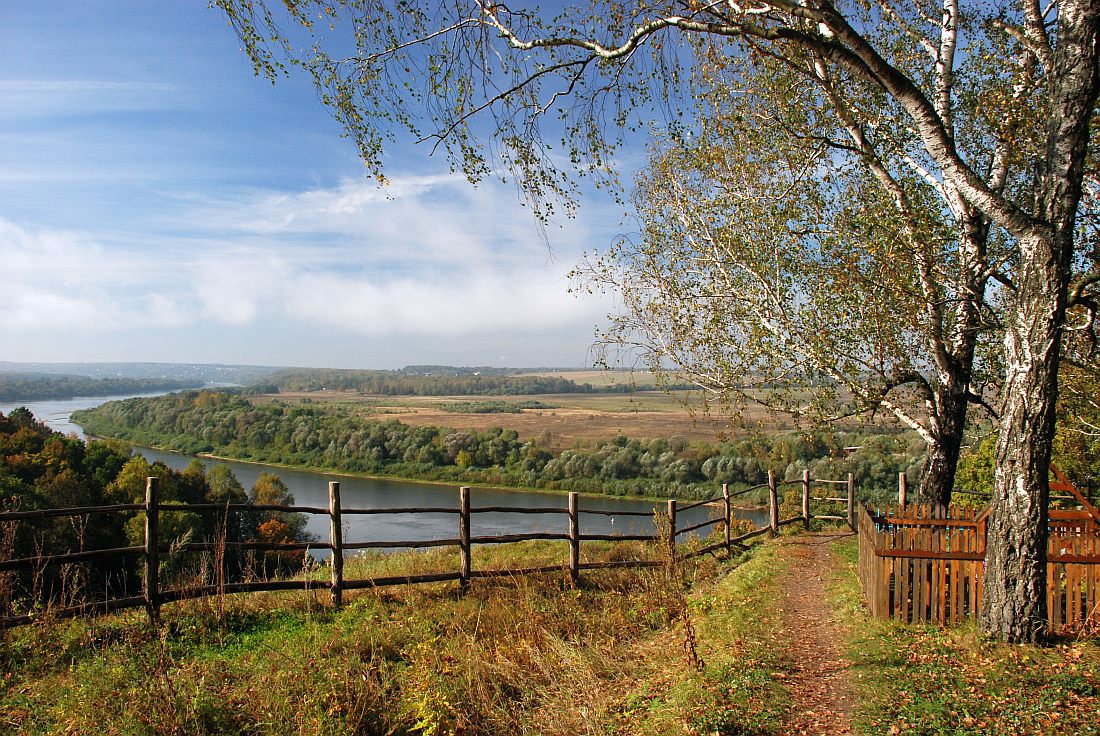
812	642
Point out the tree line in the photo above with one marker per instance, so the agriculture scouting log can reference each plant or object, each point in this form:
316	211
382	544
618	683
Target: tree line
43	469
404	383
41	386
333	438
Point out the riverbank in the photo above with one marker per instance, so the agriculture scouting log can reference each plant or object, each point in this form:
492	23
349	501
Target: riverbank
328	471
335	439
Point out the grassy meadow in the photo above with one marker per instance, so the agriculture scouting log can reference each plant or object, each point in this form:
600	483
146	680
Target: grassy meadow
646	412
694	648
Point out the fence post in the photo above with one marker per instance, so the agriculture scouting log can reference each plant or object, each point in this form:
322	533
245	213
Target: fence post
728	511
903	490
574	539
773	503
336	539
152	561
672	528
852	501
806	499
464	536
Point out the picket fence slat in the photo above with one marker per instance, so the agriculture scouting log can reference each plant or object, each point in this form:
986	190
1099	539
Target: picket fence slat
922	564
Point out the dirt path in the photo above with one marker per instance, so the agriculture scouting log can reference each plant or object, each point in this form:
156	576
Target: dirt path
814	651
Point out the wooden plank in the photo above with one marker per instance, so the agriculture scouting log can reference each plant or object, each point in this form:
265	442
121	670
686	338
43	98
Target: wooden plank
574	537
223	507
516	572
72	511
255	586
518	510
1052	598
336	543
380	582
697	504
727	516
620	563
401	510
852	501
672	528
602	512
705	522
705	550
922	523
1067	486
923	554
401	543
773	503
152	548
622	537
940	567
464	536
84	609
70	557
806	499
526	537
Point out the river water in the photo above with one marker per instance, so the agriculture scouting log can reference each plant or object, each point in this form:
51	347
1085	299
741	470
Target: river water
310	488
57	413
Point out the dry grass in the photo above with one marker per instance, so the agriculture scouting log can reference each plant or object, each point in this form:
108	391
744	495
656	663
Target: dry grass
575	418
528	655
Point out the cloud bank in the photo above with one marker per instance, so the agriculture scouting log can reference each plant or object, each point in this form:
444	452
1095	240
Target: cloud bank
427	256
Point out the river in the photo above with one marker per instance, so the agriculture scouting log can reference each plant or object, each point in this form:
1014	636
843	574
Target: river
57	413
310	488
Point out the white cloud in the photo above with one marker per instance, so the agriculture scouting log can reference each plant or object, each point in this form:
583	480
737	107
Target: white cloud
27	98
435	219
64	279
429	256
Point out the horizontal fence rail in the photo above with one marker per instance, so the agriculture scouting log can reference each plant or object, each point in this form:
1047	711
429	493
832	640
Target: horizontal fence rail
155	550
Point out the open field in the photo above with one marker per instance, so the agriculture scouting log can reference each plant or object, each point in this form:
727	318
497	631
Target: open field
601	378
573	418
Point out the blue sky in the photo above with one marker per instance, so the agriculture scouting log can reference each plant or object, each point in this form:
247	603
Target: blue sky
158	202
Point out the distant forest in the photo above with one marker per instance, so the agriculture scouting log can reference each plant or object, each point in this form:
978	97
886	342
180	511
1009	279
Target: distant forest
43	386
434	381
332	438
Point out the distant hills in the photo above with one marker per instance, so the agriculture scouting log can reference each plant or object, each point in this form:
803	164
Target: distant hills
41	381
195	373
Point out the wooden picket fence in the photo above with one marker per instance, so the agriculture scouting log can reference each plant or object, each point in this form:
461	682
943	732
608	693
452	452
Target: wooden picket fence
924	564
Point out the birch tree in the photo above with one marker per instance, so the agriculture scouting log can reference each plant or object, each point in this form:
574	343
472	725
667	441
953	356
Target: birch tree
781	263
487	82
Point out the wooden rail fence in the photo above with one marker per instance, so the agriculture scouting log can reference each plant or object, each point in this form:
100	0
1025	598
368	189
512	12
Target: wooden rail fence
153	596
924	564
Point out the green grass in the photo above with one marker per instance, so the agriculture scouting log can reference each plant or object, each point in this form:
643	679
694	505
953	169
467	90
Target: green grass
927	680
522	655
693	650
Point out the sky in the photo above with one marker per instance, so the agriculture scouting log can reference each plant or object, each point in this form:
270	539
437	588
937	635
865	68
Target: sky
158	202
